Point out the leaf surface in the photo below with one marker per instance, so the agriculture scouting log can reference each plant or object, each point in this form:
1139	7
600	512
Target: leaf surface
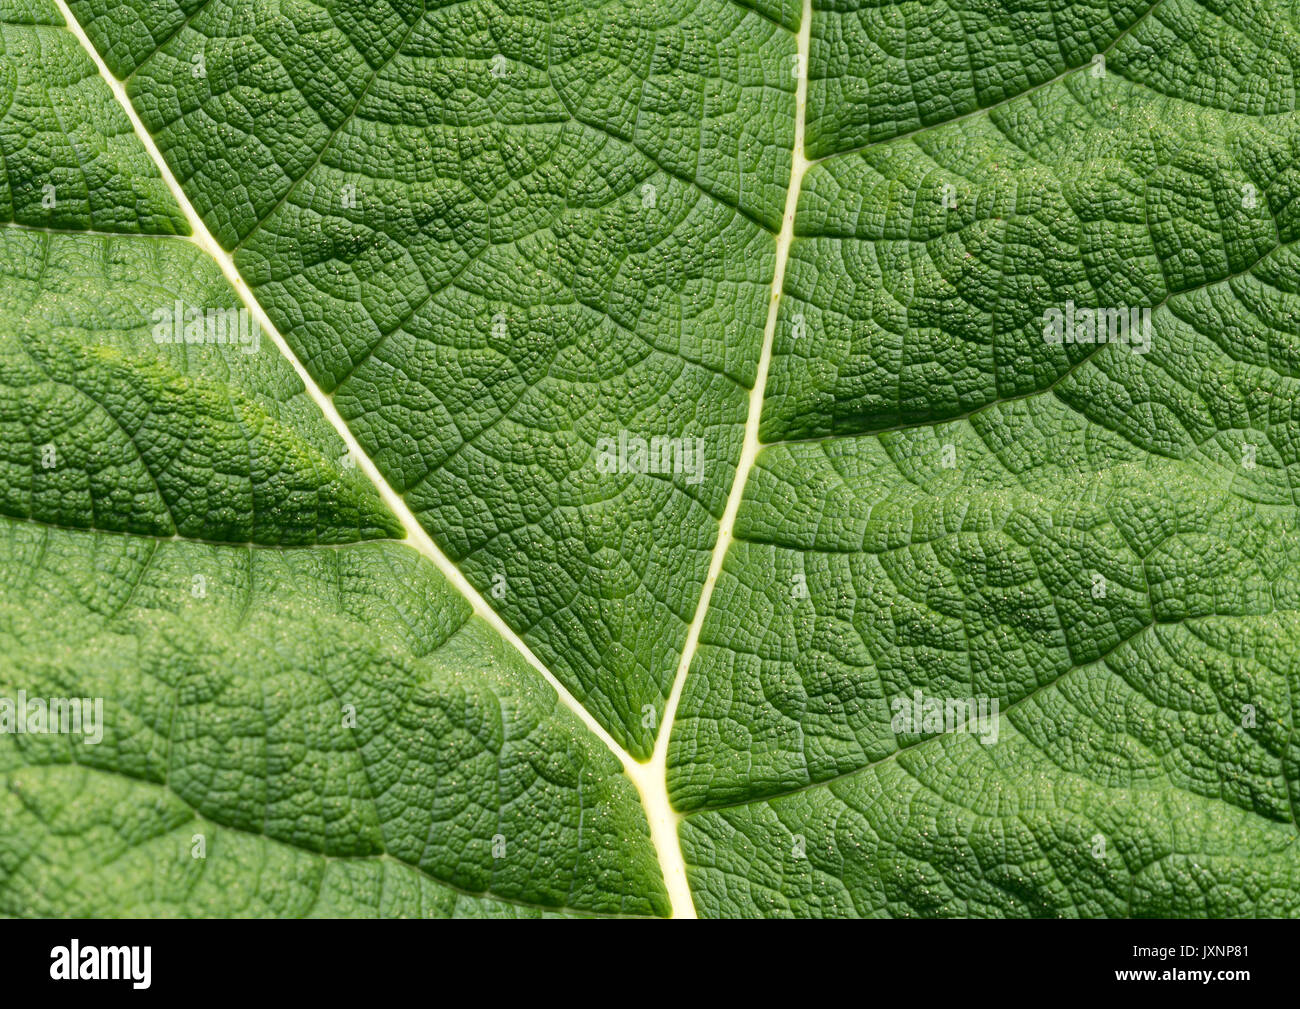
495	246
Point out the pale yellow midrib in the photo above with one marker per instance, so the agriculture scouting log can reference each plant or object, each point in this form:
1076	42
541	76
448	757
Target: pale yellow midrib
657	767
649	777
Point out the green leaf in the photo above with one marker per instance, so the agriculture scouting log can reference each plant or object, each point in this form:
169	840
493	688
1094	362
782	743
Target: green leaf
299	714
642	476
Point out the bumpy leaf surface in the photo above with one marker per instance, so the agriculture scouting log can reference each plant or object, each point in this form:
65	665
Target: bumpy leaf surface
821	243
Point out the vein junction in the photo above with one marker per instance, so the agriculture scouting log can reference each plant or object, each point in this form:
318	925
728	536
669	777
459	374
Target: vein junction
649	777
